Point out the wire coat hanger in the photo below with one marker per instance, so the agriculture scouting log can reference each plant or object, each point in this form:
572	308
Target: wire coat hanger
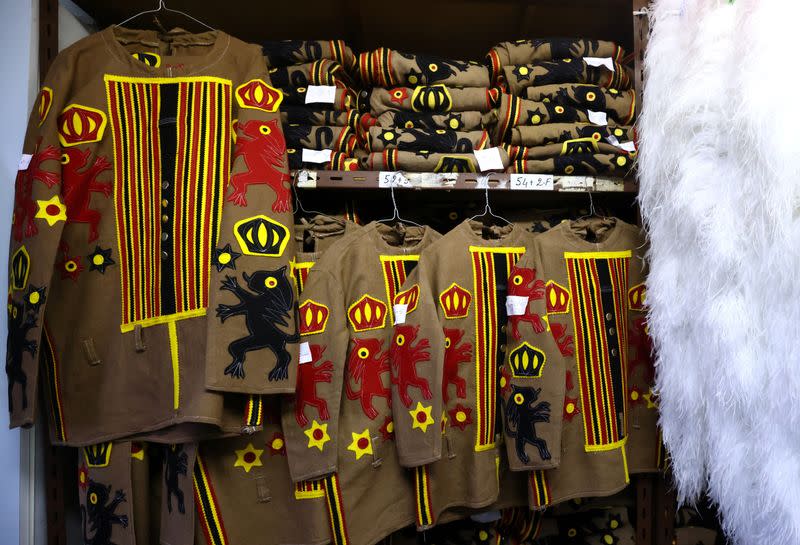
487	211
299	204
396	212
163	7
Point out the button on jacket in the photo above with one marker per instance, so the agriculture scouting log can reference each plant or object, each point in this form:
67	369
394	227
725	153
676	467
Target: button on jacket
136	206
340	425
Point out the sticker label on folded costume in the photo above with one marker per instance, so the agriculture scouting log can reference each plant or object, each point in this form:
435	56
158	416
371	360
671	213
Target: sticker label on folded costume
305	353
316	156
630	147
597	118
321	94
489	159
400	311
25	161
600	61
392	179
516	305
534	182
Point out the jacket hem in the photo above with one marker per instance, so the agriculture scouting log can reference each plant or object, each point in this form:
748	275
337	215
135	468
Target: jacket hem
586	494
477	504
537	467
405	462
314	475
227	389
137	434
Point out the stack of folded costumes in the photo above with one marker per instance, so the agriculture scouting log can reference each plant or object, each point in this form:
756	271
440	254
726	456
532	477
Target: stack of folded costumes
422	113
323	123
569	107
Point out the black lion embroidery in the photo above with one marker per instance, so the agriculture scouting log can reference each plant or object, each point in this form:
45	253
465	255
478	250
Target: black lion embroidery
20	322
521	419
267	305
176	463
101	514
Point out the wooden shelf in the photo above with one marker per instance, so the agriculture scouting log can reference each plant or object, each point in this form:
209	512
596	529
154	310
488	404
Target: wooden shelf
333	179
458	29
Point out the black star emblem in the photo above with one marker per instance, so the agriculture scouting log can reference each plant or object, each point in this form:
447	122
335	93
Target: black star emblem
414	78
388	137
454	122
100	259
35	297
522	73
225	258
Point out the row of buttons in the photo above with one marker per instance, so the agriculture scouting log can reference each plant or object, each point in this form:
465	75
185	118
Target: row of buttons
164	220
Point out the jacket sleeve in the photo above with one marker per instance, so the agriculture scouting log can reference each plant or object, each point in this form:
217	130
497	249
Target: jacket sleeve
416	355
38	221
250	351
533	374
311	418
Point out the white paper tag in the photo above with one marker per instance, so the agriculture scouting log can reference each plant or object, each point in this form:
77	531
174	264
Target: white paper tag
516	305
600	61
316	156
629	146
534	182
321	94
25	161
400	311
489	159
597	118
392	179
305	353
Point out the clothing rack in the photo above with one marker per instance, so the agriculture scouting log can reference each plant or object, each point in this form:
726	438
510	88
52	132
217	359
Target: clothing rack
432	25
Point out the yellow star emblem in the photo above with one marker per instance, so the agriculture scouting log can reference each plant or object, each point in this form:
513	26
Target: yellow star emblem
652	401
52	211
421	417
317	435
248	458
361	444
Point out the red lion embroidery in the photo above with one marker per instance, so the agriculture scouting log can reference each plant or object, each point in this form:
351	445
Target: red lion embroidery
642	346
24	207
405	357
523	282
454	354
366	366
564	341
262	146
77	187
308	374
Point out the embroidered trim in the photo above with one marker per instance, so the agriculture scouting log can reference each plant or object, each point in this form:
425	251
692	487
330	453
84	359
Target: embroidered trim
395	270
308	490
53	374
422	487
488	263
208	510
540	490
254	411
598	282
333	493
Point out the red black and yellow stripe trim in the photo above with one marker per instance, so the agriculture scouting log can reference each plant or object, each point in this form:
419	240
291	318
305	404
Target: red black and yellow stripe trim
511	118
599	286
208	510
540	493
308	490
156	290
396	269
54	385
333	493
494	64
254	411
488	265
300	274
422	489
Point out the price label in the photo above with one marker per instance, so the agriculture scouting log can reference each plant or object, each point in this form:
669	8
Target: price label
305	353
532	182
400	311
393	179
600	61
25	161
316	156
321	94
